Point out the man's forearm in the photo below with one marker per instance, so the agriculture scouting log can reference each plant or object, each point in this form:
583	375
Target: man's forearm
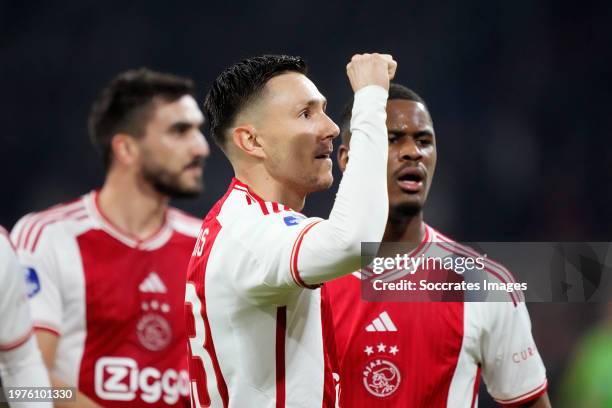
333	247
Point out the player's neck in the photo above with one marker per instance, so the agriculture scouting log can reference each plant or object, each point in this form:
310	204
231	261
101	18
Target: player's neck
407	229
135	208
270	189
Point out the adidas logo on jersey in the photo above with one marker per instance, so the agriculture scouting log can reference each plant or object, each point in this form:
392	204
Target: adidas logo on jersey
152	284
382	323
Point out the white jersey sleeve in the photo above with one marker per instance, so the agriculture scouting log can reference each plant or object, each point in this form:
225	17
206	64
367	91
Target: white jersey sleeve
23	366
15	324
290	251
20	360
43	279
359	214
512	368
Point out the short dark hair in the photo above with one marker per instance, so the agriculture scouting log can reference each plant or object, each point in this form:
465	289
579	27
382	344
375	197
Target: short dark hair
396	91
239	85
125	103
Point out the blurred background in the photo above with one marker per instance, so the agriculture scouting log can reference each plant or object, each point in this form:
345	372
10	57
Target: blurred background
517	91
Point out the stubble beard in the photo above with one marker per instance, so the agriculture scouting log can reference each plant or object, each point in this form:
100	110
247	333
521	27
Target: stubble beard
169	184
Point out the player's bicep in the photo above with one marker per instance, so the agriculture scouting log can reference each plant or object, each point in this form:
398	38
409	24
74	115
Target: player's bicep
15	324
324	255
43	284
512	367
267	270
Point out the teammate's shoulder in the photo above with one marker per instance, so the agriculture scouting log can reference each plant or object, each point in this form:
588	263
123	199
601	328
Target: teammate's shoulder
460	249
27	232
433	235
4	234
183	222
493	270
5	240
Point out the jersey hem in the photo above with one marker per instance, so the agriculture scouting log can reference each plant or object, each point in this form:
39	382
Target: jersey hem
16	343
524	398
47	328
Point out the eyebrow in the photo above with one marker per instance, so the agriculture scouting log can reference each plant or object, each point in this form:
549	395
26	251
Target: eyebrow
425	132
183	125
314	102
419	133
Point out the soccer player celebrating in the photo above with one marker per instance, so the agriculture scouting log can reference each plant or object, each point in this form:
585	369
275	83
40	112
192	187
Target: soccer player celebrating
107	271
255	312
402	354
20	362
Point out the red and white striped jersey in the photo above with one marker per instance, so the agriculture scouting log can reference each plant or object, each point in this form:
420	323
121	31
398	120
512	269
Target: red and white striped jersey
256	328
256	317
15	324
115	302
432	354
21	364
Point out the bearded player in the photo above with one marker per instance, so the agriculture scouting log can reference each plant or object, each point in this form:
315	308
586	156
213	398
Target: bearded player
255	310
107	270
428	354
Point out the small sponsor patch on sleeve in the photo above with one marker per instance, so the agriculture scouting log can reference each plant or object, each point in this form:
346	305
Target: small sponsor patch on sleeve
293	219
32	282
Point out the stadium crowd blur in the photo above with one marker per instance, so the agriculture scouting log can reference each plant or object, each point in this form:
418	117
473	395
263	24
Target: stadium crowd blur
516	90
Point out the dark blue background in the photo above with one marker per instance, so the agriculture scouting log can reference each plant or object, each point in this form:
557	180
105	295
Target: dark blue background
517	91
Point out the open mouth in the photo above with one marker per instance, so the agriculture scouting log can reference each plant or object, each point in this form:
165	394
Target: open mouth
324	152
411	179
195	167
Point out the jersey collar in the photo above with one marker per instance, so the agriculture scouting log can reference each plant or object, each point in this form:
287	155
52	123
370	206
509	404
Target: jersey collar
155	241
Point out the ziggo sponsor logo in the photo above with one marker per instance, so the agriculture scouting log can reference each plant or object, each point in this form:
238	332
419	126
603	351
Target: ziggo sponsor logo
120	379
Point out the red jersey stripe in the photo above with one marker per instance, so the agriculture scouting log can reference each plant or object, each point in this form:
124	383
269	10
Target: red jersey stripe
47	328
119	231
281	326
243	187
492	264
526	397
329	351
196	276
476	386
293	266
492	272
77	215
32	222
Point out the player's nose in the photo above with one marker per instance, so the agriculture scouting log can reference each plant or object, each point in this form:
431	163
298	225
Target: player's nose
200	146
331	129
409	150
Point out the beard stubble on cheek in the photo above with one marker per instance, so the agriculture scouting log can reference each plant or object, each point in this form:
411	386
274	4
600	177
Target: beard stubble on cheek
169	183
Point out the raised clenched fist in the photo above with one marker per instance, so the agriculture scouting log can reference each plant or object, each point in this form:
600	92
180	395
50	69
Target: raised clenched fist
371	69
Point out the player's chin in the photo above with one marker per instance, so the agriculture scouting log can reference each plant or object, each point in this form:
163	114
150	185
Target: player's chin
326	180
190	188
322	182
407	203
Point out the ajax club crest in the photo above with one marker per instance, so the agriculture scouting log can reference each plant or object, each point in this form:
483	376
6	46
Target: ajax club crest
381	377
153	330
